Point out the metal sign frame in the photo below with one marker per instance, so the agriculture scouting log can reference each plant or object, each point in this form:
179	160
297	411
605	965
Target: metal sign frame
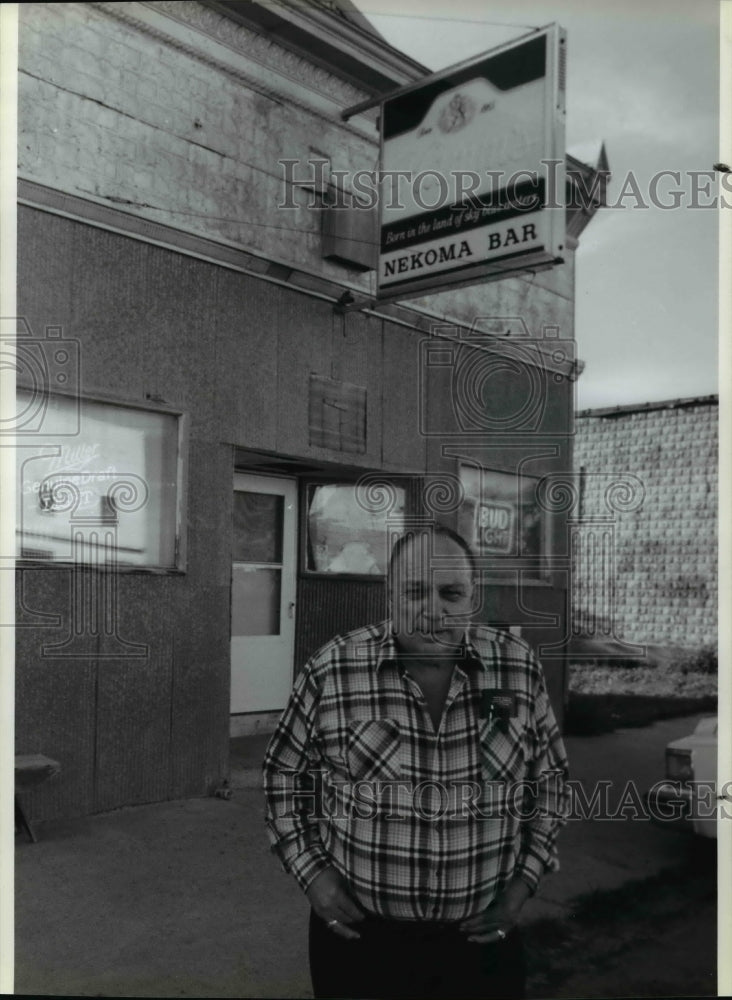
513	222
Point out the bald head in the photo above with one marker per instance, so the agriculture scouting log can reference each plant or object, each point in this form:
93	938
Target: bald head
424	537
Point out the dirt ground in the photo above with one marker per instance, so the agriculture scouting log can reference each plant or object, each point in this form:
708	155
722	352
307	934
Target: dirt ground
656	938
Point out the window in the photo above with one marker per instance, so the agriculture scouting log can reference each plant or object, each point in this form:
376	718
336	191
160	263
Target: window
344	535
100	482
257	563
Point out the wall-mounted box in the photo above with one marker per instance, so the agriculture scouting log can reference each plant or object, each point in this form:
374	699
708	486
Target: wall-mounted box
350	236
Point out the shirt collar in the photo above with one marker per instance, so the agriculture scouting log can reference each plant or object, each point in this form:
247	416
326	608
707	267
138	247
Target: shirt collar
388	650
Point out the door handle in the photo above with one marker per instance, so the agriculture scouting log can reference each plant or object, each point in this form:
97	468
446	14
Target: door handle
291	609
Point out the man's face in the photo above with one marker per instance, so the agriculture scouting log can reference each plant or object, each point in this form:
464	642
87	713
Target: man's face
432	585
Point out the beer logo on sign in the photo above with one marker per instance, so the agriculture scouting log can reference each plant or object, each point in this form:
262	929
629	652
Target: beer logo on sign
458	111
495	526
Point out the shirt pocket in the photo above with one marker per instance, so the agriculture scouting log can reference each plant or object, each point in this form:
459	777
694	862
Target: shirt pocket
503	750
374	750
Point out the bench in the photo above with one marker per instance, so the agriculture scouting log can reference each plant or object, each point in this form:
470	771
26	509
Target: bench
31	769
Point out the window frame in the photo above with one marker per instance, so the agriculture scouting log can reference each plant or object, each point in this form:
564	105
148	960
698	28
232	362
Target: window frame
534	569
333	480
179	566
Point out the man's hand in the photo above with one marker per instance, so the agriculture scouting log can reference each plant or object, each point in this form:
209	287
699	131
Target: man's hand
501	916
329	897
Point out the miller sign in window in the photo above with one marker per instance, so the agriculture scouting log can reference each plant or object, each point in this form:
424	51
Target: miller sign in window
100	483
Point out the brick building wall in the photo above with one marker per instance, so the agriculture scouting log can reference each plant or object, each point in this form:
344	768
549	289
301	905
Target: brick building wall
651	471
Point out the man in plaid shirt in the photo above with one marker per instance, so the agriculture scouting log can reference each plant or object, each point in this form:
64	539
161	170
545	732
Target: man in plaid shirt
415	786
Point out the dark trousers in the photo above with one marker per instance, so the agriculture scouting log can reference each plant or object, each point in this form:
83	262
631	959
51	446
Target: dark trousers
405	960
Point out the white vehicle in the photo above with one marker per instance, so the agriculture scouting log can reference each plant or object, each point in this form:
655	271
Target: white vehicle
689	792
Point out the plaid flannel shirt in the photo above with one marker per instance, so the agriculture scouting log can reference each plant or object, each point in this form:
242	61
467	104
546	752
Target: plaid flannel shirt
423	825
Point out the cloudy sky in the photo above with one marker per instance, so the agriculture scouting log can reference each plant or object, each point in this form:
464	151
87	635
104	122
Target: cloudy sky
642	75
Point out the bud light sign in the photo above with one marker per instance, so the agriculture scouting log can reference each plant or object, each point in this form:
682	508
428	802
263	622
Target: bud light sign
495	524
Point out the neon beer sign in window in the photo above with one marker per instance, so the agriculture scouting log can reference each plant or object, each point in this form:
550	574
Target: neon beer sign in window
495	527
500	514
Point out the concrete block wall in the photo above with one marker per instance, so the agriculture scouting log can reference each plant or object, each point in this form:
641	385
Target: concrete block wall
184	125
663	522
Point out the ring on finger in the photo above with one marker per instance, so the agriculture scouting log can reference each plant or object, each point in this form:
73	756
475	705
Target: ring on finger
332	923
501	934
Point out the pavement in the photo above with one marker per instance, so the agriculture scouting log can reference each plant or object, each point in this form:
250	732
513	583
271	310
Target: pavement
184	898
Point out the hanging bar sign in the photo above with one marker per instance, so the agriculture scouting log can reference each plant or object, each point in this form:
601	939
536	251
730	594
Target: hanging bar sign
473	170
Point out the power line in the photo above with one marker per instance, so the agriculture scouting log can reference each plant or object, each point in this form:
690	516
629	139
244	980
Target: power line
460	20
129	203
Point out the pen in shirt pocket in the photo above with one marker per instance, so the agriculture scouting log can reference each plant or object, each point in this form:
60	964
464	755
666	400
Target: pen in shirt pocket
498	704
